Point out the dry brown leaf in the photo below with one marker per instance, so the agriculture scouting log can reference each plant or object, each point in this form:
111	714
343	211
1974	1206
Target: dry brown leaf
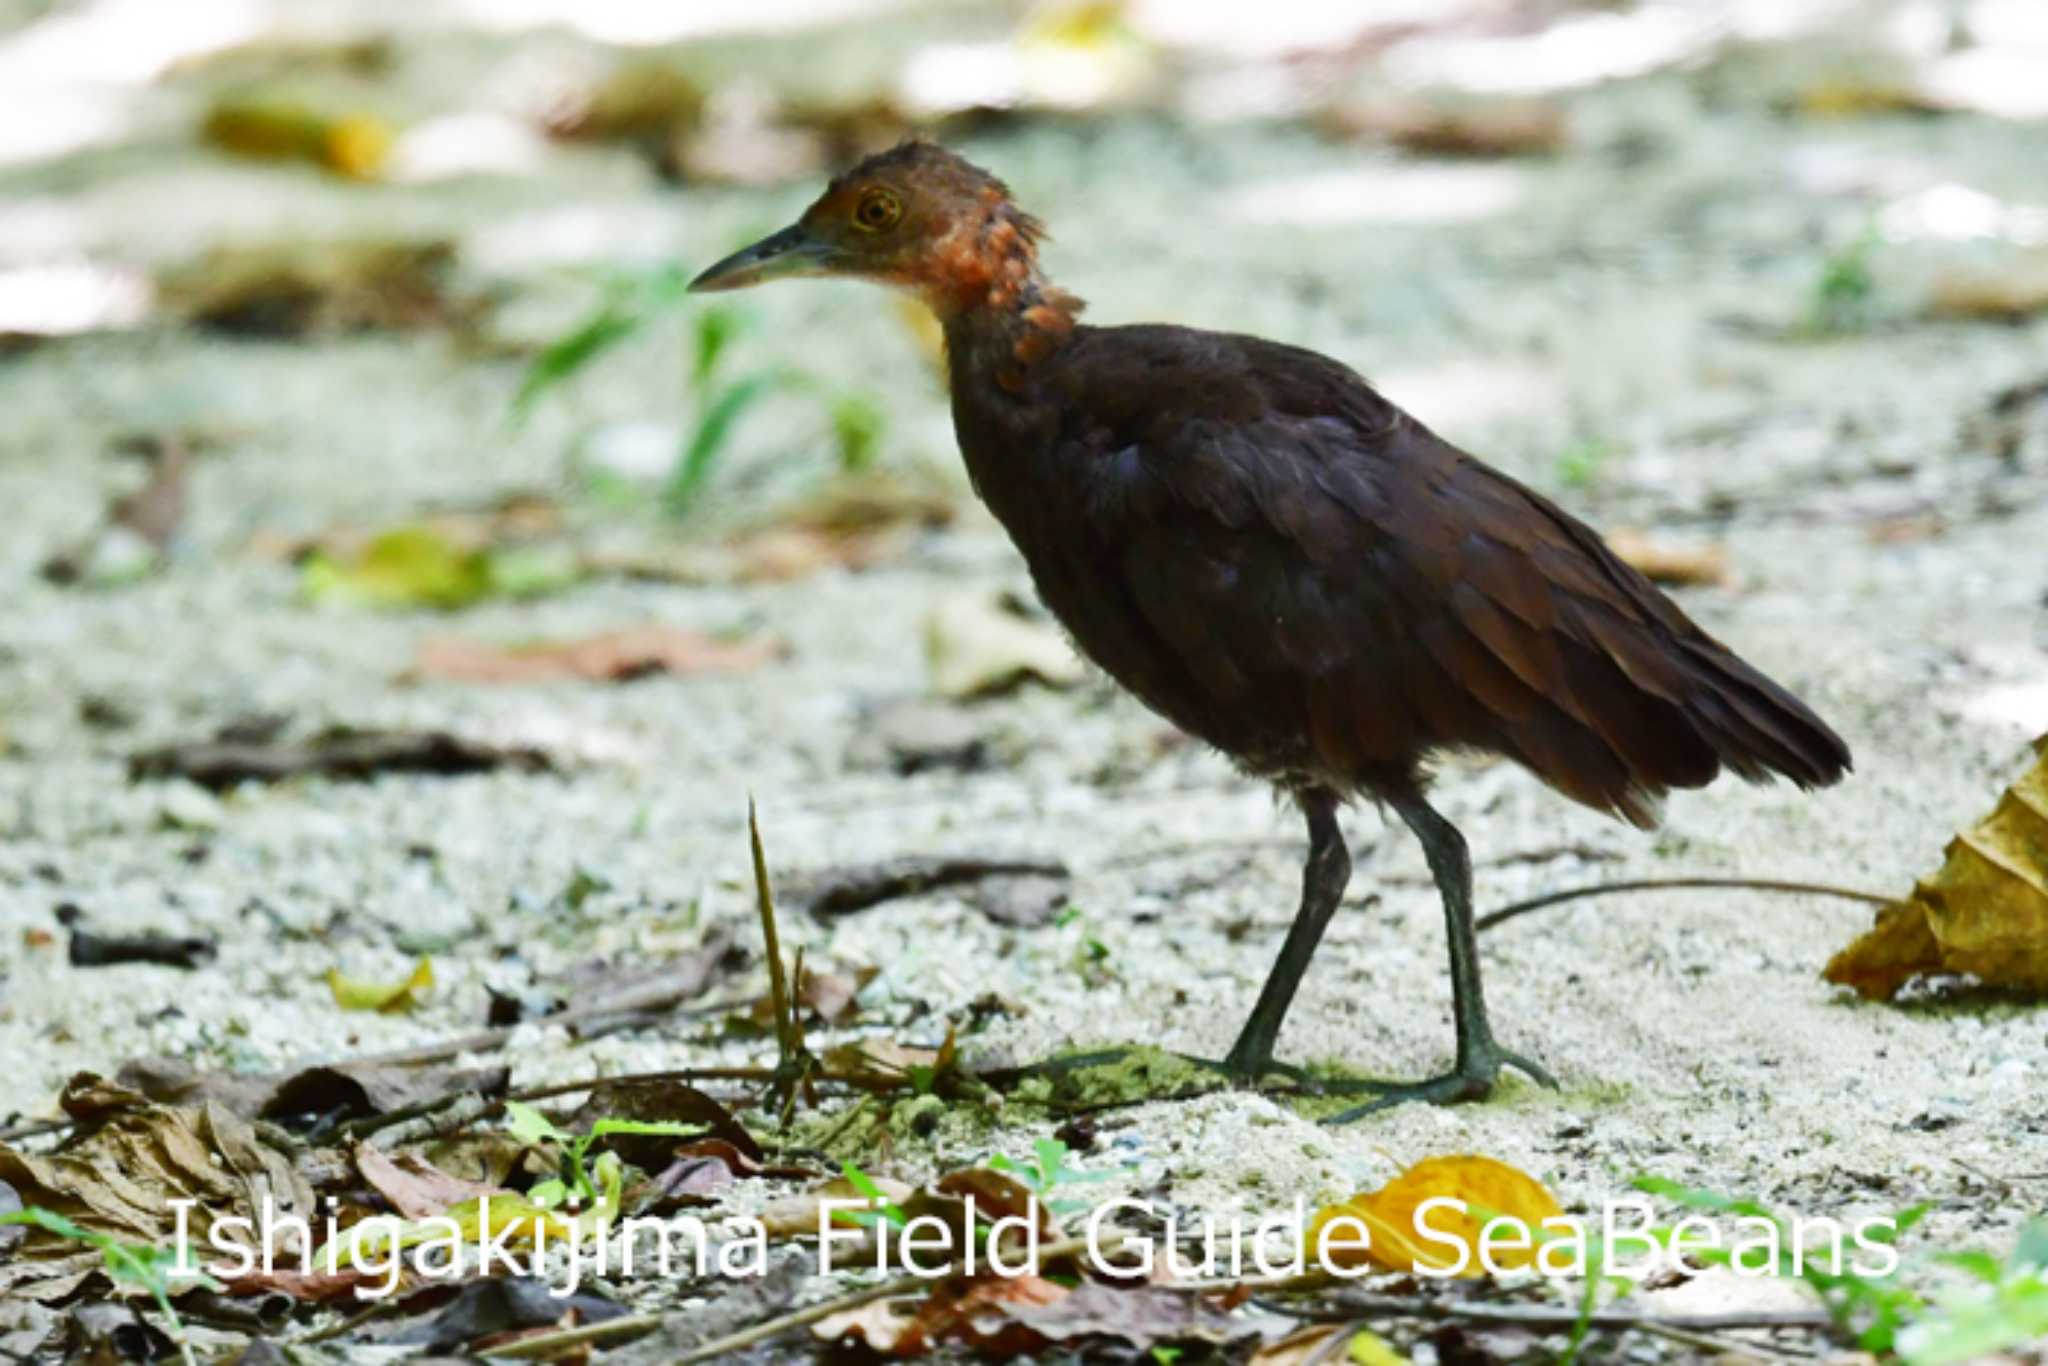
129	1159
1683	566
855	887
337	1091
1512	128
975	1314
885	1061
414	1187
1300	1348
1388	1217
1139	1315
640	101
828	989
999	1196
882	1325
796	1216
292	289
854	524
140	525
2012	293
609	657
1984	911
707	1165
307	1287
340	753
976	647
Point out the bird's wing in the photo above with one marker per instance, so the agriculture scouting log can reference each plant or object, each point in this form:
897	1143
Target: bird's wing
1296	542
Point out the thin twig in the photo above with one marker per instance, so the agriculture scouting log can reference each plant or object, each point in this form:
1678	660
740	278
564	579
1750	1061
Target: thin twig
1520	908
34	1130
1350	1307
1707	1342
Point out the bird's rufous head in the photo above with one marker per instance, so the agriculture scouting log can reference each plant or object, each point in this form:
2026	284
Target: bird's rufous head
917	217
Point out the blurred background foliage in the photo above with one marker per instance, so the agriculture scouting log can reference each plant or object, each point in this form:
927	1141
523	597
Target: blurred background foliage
534	181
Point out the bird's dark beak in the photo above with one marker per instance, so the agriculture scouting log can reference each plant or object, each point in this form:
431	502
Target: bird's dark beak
788	254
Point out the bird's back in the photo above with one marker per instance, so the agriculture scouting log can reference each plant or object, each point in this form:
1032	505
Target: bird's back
1284	563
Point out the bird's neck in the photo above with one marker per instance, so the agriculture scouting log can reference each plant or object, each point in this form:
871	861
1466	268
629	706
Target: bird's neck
1002	317
1007	339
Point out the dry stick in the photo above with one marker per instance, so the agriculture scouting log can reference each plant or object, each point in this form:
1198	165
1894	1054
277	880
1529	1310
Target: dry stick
1506	913
1548	1316
1707	1342
34	1129
547	1344
778	985
793	1063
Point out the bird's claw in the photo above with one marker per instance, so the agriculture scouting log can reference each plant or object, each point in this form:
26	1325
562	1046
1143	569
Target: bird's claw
1472	1079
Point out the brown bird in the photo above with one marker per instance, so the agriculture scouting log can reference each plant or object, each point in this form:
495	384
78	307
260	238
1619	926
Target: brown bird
1283	563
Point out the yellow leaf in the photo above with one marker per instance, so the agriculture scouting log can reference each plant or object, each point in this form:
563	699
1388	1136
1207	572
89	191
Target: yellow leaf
1405	1237
512	1218
351	994
1370	1349
412	566
1984	911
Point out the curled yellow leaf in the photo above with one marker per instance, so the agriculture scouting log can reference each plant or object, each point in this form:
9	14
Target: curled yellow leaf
1397	1226
352	994
1984	911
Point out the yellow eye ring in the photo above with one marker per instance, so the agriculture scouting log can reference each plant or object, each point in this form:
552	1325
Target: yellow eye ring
877	211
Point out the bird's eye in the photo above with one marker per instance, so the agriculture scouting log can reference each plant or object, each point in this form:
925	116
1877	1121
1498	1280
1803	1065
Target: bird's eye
877	211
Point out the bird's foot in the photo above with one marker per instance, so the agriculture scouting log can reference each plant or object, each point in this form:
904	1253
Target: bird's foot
1472	1079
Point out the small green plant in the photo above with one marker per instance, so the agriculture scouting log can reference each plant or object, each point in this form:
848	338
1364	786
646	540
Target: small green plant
1580	463
150	1268
1091	959
885	1210
631	302
1880	1304
2008	1307
573	1183
1047	1172
1845	292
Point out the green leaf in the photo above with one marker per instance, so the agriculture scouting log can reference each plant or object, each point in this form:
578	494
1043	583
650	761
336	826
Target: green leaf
631	302
52	1222
529	1125
865	1187
857	425
1971	1331
569	353
658	1128
716	329
714	429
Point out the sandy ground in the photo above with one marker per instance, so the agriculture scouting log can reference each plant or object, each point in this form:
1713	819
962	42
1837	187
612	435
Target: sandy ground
1629	292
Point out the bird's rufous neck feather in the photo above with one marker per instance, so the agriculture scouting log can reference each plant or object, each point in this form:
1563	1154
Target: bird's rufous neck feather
984	282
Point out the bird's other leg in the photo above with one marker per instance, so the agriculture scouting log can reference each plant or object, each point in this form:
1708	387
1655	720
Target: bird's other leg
1323	880
1480	1059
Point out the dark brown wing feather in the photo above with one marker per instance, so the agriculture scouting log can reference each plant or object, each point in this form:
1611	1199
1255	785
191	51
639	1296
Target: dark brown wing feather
1284	563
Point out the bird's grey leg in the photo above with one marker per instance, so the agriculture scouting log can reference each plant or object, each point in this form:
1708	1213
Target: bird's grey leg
1480	1059
1323	880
